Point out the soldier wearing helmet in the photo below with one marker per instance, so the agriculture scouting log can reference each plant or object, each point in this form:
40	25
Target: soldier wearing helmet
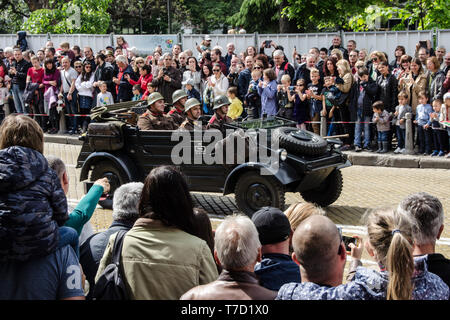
179	98
193	111
154	118
220	117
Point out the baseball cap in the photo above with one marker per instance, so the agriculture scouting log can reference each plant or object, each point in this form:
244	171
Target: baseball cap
207	38
272	224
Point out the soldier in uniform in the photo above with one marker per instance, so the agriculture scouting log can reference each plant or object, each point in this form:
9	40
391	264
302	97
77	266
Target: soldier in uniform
220	117
193	111
179	98
154	118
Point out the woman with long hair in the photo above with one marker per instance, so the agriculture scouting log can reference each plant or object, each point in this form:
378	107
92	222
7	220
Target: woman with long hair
85	87
413	82
193	72
52	82
162	255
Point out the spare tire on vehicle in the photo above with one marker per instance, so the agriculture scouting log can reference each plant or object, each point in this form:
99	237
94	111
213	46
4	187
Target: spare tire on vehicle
300	142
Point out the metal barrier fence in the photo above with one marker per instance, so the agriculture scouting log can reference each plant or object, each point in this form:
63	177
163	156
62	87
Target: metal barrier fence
382	41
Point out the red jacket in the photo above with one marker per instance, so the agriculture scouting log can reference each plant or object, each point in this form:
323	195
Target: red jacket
142	81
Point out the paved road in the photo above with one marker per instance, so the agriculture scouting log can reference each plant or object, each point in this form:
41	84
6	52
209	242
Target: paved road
364	188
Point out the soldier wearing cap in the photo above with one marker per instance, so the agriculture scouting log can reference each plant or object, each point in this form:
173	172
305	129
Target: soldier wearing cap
154	118
220	117
193	111
179	98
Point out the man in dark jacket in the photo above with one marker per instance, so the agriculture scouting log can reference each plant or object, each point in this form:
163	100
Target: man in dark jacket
22	40
245	76
303	72
18	74
337	44
237	250
123	88
168	79
125	214
361	107
104	72
276	267
388	87
282	67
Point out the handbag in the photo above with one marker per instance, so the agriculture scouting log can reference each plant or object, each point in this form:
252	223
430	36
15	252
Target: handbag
110	285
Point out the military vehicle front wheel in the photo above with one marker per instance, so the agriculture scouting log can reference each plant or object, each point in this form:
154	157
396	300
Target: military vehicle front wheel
253	191
328	191
115	177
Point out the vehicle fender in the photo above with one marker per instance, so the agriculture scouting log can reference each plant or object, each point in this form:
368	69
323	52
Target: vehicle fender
121	161
285	174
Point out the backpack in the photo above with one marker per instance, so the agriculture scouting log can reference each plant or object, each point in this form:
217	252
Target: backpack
110	285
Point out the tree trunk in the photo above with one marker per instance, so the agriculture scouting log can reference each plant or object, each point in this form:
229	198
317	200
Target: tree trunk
285	25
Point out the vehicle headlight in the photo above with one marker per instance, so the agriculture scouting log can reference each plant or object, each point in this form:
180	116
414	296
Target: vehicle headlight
283	154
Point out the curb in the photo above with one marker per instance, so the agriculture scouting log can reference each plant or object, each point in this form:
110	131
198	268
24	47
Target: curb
356	158
397	161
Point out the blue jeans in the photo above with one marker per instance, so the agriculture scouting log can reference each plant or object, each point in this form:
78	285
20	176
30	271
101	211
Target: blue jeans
425	139
362	127
18	98
68	236
401	137
383	136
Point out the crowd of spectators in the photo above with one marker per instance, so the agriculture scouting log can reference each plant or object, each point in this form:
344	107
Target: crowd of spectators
338	83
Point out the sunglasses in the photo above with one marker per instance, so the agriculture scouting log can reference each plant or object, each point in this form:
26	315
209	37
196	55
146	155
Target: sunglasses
216	70
257	68
77	67
375	59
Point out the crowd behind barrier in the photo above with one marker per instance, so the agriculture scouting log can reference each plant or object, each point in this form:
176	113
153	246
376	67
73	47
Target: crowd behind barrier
339	83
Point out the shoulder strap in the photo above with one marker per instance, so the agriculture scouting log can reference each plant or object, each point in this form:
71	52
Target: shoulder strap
117	249
286	66
64	75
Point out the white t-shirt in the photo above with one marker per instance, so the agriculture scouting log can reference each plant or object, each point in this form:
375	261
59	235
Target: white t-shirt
104	99
70	75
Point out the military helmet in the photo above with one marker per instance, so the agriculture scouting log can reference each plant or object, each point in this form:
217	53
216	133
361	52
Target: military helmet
192	102
220	101
153	97
178	94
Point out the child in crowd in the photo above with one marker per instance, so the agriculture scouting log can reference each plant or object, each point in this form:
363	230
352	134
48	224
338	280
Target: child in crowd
4	93
241	66
190	90
32	201
235	109
440	136
329	93
151	87
315	98
252	98
285	106
300	101
422	120
381	118
399	120
137	95
104	98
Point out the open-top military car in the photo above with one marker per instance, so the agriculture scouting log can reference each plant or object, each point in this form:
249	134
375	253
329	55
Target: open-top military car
302	162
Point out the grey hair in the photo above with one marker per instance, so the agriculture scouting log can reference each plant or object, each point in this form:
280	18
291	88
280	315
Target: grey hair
121	58
278	53
236	242
167	54
8	49
57	165
428	212
126	201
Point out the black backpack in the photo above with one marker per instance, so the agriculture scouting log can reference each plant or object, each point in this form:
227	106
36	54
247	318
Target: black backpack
110	285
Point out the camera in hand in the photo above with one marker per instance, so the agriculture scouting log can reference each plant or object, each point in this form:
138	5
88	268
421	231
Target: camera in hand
291	88
347	240
267	43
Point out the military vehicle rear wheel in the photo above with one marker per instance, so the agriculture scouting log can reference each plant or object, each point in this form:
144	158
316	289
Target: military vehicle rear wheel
328	191
115	176
253	191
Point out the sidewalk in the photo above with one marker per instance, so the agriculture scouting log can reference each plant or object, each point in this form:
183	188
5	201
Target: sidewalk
362	158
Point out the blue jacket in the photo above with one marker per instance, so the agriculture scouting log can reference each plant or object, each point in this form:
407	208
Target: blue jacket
32	205
269	98
276	269
423	112
243	81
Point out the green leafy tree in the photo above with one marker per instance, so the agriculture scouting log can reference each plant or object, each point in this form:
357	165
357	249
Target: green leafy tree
257	16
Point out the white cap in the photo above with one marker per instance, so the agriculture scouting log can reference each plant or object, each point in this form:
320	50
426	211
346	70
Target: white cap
207	38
